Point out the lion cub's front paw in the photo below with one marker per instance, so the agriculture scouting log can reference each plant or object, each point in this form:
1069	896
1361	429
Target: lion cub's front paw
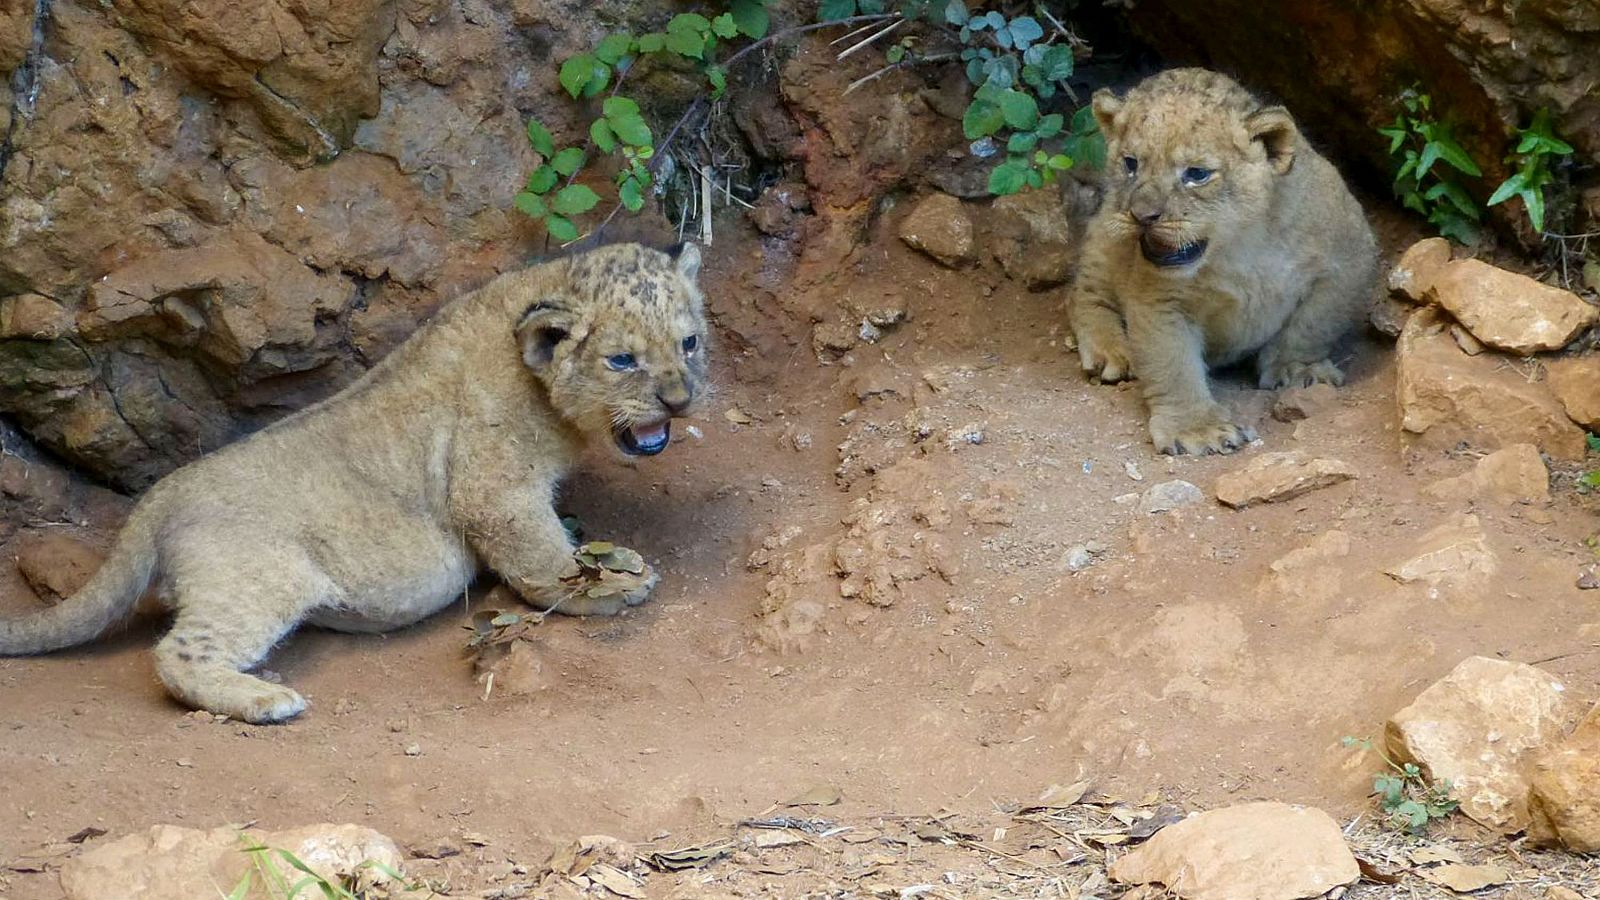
609	580
1106	360
1299	375
1210	432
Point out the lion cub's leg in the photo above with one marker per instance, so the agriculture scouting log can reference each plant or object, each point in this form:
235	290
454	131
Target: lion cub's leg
1097	324
1298	356
1168	353
231	611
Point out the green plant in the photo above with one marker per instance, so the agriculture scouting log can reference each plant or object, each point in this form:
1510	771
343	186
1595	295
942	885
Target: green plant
1590	480
275	882
1419	142
1407	799
1537	147
1012	62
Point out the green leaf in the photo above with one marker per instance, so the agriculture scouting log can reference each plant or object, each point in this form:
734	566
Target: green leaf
688	23
1431	152
1022	142
560	228
568	161
687	43
1456	194
1060	162
1508	189
1084	122
723	26
632	130
1593	442
613	47
834	10
631	194
1020	109
1008	177
539	137
1057	63
981	119
1455	155
542	180
574	199
1396	136
751	18
1050	126
718	79
1534	201
652	43
576	73
895	54
604	138
613	107
955	12
1024	31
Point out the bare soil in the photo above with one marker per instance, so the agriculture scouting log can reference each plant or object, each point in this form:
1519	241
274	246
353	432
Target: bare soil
969	670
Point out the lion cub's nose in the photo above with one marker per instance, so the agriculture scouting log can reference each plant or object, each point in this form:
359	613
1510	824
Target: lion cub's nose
676	396
1145	217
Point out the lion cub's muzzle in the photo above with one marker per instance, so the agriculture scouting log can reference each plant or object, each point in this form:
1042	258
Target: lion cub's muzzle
652	436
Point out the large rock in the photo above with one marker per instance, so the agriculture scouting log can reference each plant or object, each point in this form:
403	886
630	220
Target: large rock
1456	553
1272	477
168	862
1575	380
1510	311
1448	398
1564	801
1516	474
1478	728
939	226
1413	275
1032	237
1257	851
56	564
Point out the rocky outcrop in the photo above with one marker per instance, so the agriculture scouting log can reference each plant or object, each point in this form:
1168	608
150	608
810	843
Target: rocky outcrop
1564	799
1509	311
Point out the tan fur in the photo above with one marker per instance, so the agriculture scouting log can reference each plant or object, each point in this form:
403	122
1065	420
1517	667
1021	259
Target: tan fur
375	508
1288	264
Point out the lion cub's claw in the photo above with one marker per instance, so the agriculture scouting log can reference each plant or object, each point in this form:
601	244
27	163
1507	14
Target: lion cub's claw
1209	434
1300	375
1108	365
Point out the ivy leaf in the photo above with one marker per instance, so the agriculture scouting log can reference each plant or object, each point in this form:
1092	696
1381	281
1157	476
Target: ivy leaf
652	42
981	119
751	18
539	137
688	23
631	194
687	43
833	10
600	132
576	73
1021	111
723	26
718	79
1396	136
1431	153
1008	177
955	12
568	161
1534	201
1508	188
1456	195
542	180
613	48
574	199
529	204
1024	30
560	228
1453	153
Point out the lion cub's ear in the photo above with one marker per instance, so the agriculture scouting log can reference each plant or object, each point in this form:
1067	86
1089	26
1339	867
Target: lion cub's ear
687	257
1106	106
541	329
1274	128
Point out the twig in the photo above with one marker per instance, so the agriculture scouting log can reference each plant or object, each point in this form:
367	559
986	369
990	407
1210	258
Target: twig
802	29
867	42
940	57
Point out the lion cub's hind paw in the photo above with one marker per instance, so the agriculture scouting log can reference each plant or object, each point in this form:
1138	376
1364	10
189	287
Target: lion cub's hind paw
1300	375
1208	435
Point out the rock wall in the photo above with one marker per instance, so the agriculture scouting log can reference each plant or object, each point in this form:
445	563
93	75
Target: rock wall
1340	65
213	212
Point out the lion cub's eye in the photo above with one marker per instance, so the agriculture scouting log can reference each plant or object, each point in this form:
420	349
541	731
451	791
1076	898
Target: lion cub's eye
691	344
1130	164
1197	175
622	362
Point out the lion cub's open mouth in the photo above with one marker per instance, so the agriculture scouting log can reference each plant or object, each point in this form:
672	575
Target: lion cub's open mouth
644	438
1166	256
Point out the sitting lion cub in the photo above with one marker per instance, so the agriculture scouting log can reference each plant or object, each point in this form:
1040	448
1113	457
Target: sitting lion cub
1222	235
374	508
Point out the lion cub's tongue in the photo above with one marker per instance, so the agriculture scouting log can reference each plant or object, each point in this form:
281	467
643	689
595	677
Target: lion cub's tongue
651	435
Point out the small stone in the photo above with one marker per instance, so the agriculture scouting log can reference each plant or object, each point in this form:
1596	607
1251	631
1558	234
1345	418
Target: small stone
832	337
1257	851
1564	798
1273	477
1589	577
1575	380
1417	269
939	227
1510	311
1168	496
1296	404
1516	474
1478	728
1388	316
1131	469
1448	398
1455	553
413	749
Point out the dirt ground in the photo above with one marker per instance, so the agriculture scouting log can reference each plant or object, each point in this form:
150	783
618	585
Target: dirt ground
962	668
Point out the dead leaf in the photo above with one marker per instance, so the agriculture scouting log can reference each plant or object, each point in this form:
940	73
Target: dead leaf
820	795
1057	797
614	880
768	839
1424	856
737	416
85	834
1465	879
1161	818
692	857
1372	873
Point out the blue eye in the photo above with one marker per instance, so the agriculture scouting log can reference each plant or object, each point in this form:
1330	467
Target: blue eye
622	362
691	343
1130	164
1197	175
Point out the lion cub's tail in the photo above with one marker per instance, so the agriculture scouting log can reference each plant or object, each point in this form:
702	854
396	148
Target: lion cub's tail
108	596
